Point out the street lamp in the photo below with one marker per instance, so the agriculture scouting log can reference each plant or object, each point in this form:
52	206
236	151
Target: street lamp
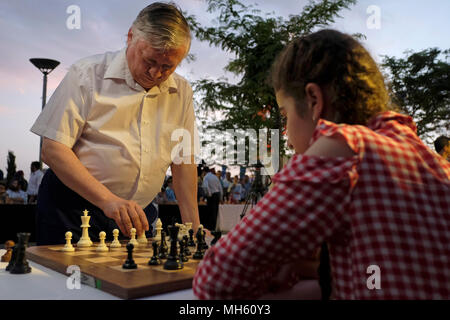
45	66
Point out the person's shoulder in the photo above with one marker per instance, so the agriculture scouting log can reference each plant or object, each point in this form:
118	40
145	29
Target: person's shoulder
97	63
182	83
330	147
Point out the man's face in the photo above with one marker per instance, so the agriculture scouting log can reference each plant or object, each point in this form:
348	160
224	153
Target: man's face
148	66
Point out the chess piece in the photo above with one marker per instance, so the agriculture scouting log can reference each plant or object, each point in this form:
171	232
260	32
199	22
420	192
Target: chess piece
181	230
201	235
173	262
188	226
158	228
102	247
21	264
198	254
13	258
115	244
187	252
68	247
154	260
9	245
162	246
142	240
191	242
85	241
133	240
129	263
205	245
182	255
217	235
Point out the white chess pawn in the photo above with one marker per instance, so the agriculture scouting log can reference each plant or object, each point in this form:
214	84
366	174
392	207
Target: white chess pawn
133	240
68	247
102	245
115	243
142	239
158	228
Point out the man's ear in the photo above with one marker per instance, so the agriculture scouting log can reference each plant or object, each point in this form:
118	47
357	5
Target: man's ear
314	100
129	37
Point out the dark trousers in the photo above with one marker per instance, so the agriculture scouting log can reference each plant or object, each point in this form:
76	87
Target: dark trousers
212	204
59	209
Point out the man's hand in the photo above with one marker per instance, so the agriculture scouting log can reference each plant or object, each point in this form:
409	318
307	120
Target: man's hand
68	168
127	214
185	187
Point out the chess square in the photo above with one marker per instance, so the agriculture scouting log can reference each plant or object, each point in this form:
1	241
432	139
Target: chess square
140	267
146	254
117	253
102	259
141	260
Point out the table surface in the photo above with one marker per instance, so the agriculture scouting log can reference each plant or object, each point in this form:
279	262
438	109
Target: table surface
45	284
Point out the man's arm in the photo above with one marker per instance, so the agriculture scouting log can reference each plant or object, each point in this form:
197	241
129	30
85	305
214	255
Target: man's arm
185	186
69	169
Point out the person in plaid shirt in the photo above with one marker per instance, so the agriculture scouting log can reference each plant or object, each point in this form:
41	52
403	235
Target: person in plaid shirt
361	181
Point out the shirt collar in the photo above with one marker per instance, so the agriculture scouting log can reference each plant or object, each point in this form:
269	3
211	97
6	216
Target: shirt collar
118	69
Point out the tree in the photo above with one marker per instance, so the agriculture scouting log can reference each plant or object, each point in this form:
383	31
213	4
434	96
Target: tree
11	167
419	84
254	40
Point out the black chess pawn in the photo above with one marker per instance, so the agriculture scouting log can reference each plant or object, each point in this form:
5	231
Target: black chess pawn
198	254
154	260
187	252
129	263
191	242
21	265
217	235
163	246
13	258
182	254
173	262
203	237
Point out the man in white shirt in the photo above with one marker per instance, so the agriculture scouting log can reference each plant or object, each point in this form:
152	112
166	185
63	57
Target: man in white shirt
35	181
214	191
107	133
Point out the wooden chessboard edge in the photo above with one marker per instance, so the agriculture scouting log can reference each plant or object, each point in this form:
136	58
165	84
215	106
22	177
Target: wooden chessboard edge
123	292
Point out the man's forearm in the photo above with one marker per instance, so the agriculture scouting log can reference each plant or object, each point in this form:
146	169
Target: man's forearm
69	169
185	185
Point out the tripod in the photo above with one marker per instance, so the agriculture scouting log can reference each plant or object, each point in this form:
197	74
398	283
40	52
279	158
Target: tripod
257	190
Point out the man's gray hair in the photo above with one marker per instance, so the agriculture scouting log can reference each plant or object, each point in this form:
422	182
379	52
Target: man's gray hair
163	26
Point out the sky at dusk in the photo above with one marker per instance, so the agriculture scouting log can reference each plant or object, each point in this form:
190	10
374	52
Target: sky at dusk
37	29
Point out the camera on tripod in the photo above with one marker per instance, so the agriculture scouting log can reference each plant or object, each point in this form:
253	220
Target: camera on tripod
257	189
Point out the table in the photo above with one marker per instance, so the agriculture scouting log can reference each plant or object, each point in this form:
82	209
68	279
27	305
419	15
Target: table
45	284
229	216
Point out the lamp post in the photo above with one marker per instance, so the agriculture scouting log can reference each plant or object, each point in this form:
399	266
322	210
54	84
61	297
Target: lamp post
45	66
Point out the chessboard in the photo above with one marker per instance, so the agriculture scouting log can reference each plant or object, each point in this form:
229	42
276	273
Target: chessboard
103	270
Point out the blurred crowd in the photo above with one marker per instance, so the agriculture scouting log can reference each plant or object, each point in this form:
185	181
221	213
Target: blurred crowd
232	189
17	190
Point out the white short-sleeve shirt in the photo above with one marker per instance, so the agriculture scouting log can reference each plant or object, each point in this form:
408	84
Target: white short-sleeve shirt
120	132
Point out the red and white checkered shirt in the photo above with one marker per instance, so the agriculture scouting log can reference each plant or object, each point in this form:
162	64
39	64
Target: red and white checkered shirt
388	206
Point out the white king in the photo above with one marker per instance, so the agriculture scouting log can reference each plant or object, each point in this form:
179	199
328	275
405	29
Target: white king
85	241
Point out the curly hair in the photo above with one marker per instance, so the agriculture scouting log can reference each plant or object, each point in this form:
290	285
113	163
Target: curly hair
339	64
